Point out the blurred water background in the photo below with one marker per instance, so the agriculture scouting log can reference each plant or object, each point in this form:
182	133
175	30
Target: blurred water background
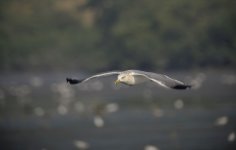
43	42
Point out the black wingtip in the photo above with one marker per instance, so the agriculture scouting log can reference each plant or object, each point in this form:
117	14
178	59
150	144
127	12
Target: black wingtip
181	87
73	81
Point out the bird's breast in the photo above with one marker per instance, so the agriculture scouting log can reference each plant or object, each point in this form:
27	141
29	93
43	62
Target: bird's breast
130	80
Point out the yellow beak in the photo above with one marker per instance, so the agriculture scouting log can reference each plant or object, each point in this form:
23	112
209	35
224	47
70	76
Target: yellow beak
117	82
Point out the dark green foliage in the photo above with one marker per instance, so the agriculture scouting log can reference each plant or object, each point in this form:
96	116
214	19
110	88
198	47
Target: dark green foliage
111	34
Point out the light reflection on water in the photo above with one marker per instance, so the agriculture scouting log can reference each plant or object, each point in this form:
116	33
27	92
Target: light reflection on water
145	116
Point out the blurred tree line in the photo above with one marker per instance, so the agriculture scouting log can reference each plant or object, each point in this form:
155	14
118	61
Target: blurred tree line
116	34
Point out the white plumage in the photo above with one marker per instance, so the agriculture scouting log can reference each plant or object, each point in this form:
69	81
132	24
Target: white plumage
134	77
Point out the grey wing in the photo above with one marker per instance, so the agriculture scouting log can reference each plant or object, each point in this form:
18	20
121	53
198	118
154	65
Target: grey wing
163	80
101	75
76	81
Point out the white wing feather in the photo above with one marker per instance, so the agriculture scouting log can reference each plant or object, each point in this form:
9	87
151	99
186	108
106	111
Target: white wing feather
160	79
100	75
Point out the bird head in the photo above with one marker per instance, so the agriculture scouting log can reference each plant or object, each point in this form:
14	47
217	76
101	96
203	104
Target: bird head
122	78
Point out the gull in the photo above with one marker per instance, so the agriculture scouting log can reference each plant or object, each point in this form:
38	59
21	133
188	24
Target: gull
134	77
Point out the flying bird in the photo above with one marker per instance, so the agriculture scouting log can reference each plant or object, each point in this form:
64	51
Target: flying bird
134	77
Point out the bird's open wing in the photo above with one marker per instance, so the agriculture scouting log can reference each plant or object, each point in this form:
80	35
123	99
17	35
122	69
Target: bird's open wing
76	81
162	80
